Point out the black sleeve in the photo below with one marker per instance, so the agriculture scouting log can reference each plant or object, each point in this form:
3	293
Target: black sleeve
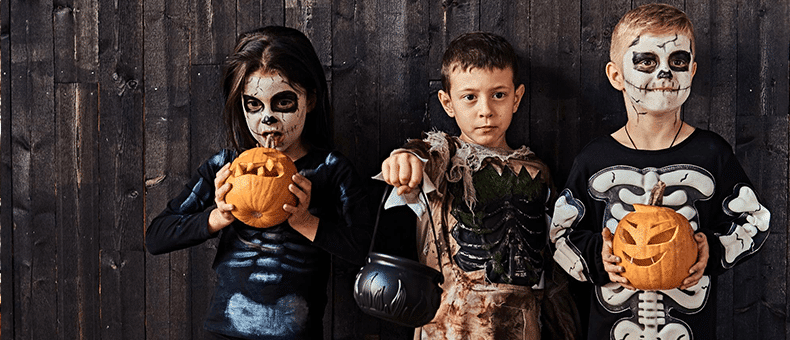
347	236
184	222
576	228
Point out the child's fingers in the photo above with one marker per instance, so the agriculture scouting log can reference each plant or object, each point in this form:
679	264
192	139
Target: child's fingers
303	182
416	172
403	189
390	173
222	175
405	173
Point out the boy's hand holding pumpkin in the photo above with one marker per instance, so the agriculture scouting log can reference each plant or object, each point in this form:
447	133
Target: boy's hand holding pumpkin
610	261
698	269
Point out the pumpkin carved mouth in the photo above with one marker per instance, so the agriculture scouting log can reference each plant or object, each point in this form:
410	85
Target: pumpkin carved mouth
644	262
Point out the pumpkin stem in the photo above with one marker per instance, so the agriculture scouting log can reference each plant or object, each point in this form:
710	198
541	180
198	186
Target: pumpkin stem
270	142
657	194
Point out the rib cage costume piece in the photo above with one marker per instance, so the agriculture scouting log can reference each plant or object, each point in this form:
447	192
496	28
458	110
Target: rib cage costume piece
491	209
704	183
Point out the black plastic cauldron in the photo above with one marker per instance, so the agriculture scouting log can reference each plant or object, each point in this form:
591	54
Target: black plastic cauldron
398	289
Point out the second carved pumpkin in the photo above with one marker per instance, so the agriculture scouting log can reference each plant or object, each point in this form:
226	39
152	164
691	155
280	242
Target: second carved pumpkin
656	247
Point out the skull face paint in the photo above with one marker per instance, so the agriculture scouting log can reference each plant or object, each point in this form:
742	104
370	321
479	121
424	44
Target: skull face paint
658	70
274	108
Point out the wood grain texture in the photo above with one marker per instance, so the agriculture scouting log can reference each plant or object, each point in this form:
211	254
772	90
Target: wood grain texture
122	258
76	110
107	107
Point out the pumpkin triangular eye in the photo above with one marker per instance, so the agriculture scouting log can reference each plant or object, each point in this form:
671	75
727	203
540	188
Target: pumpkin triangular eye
627	238
663	237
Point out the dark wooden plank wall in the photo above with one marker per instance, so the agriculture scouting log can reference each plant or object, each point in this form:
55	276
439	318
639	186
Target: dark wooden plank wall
108	106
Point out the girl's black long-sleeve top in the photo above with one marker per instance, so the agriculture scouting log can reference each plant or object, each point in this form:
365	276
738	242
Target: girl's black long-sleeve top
272	281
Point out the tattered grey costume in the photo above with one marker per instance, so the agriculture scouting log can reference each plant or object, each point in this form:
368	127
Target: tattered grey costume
490	208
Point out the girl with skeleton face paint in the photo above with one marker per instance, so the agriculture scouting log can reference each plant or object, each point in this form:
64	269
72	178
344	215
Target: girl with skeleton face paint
275	109
271	281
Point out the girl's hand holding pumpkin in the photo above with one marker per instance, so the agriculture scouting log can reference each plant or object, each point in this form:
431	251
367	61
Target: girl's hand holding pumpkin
221	216
610	261
301	219
698	269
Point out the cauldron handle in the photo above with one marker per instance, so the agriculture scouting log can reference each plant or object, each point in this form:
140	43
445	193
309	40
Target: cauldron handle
387	190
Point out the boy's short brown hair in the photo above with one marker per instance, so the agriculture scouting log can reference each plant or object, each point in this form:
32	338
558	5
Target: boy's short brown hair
478	50
650	18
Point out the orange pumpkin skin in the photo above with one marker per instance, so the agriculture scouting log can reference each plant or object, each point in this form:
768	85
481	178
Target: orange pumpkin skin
656	247
260	178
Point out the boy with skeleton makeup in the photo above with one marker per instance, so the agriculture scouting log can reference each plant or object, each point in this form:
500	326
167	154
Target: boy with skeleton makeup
652	64
271	282
490	203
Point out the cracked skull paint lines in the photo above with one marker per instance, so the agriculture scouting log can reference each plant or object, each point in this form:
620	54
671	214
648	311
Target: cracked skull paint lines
275	108
657	71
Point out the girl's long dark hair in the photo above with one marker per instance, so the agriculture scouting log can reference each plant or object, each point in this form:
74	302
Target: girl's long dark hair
288	52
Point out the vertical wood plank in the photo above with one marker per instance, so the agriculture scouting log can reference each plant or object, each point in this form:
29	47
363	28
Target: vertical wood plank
554	89
76	37
167	86
712	102
354	73
762	55
207	136
122	258
214	31
76	109
251	14
32	101
7	291
314	19
448	20
403	84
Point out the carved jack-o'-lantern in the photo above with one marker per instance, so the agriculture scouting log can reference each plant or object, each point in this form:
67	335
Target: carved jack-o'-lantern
656	246
260	178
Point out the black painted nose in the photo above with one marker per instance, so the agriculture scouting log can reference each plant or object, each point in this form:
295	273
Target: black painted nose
664	75
269	120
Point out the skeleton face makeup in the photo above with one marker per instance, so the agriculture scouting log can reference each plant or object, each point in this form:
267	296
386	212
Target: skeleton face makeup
658	70
275	108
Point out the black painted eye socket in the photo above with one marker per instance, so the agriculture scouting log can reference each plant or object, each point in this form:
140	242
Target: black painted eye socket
286	101
645	62
679	61
252	105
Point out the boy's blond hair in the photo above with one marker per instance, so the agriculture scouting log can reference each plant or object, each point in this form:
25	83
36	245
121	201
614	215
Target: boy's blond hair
650	18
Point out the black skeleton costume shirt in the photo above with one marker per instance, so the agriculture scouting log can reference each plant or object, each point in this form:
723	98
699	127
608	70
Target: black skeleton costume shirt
704	183
271	282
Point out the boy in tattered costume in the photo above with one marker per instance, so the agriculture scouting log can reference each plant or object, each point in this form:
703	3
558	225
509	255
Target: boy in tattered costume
490	203
652	65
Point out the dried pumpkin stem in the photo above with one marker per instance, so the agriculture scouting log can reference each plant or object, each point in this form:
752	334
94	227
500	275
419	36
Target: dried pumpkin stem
657	194
270	142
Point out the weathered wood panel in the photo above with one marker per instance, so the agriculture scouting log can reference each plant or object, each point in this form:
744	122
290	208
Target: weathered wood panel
76	110
121	188
109	106
33	144
6	172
